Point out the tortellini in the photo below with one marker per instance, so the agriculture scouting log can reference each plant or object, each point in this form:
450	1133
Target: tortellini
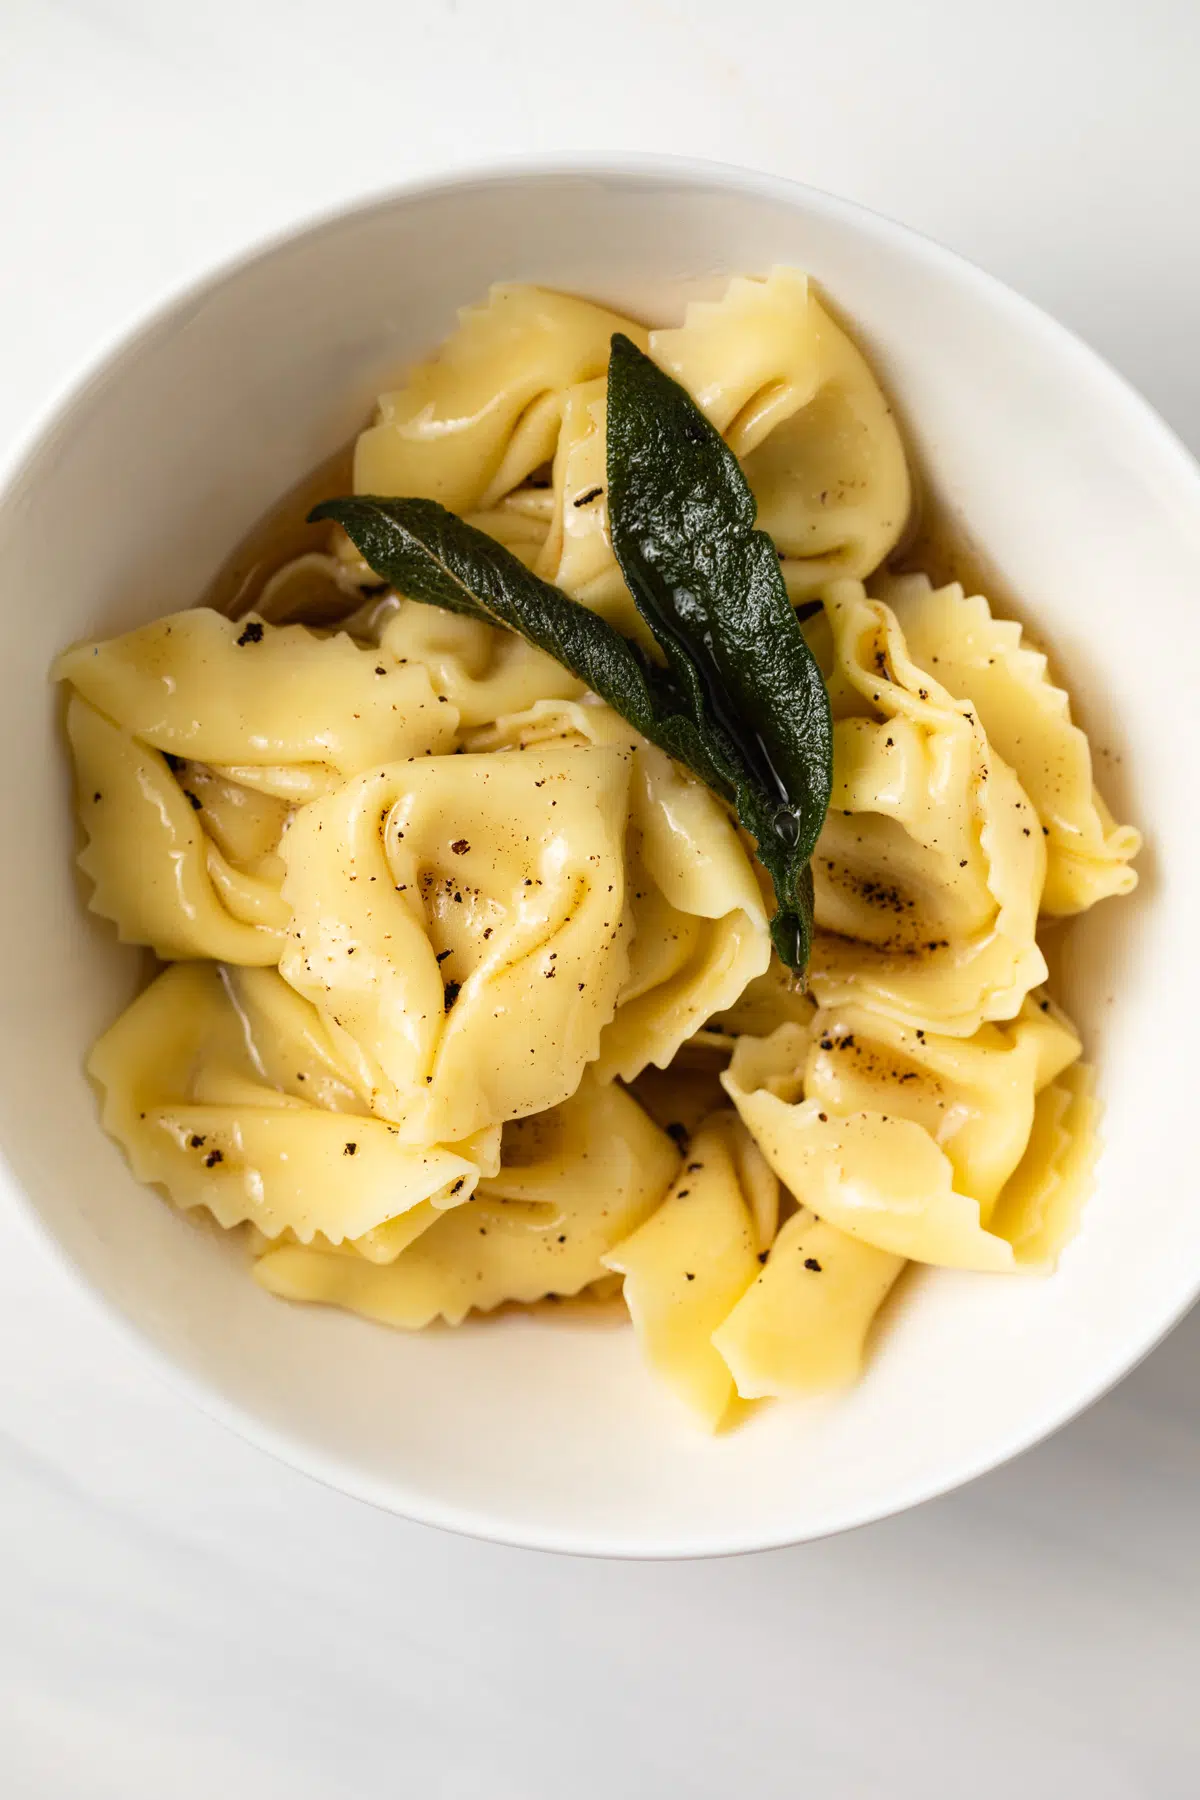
698	926
693	1259
973	1096
800	406
796	402
930	865
922	1178
750	360
156	872
879	1177
475	420
572	1183
194	737
1028	720
459	924
802	1326
471	998
256	699
223	1087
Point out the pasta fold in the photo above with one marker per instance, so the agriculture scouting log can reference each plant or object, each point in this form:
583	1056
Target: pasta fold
929	868
572	1182
253	697
879	1177
1040	1207
973	1096
698	924
577	553
802	1326
916	1143
223	1087
689	1264
1028	720
458	923
483	671
156	871
193	739
832	481
476	419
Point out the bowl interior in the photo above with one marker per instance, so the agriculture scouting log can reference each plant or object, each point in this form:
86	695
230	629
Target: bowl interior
547	1431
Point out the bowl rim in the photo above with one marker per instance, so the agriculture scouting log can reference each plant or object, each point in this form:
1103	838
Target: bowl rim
166	311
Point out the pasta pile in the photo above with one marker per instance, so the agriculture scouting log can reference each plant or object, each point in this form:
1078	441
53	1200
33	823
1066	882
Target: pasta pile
468	995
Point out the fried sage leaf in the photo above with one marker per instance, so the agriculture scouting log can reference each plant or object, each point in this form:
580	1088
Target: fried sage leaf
709	587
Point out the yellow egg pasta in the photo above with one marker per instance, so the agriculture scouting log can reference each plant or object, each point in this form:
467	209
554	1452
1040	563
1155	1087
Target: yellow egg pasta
877	1176
571	1183
484	673
930	867
697	924
458	922
247	695
973	1096
1028	719
693	1259
800	406
471	998
474	422
909	1141
776	997
154	870
1039	1209
802	1326
194	737
188	1096
577	553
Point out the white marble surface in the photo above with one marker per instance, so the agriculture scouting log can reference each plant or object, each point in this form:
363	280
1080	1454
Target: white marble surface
180	1616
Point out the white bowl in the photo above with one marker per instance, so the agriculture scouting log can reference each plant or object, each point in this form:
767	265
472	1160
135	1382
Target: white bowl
550	1433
